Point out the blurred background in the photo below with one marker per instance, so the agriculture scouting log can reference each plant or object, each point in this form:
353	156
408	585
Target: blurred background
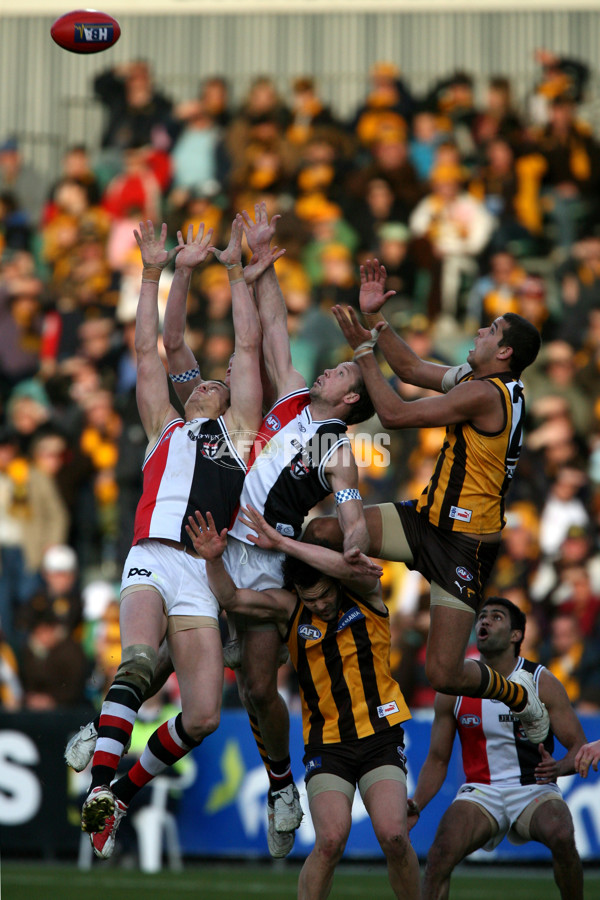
460	147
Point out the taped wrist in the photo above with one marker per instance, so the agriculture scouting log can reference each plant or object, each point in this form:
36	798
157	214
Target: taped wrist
368	345
185	376
138	662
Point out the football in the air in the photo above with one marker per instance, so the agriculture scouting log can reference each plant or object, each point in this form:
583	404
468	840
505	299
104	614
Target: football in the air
85	31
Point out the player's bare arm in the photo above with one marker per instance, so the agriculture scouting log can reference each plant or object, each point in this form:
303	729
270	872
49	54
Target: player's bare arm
180	357
271	306
434	769
355	569
276	605
401	358
342	474
244	415
152	390
565	725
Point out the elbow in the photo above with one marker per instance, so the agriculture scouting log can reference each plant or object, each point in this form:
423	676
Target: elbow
388	420
172	343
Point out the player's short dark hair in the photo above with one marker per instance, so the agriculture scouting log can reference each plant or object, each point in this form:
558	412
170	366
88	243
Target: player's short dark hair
297	572
525	340
363	409
518	619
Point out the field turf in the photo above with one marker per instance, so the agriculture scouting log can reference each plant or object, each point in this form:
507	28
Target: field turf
39	881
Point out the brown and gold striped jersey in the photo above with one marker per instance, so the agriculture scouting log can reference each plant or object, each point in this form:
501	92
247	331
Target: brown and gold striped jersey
343	667
474	468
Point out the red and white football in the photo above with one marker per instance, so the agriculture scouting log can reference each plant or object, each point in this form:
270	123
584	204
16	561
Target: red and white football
85	31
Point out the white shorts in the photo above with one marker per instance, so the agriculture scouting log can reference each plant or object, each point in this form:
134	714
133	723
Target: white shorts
179	578
503	804
253	568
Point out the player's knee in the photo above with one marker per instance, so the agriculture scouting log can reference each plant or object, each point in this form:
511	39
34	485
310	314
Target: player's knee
439	860
443	678
202	725
137	667
562	840
395	845
330	845
260	691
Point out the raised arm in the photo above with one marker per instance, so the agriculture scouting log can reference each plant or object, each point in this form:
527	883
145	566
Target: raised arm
475	401
355	569
210	545
152	390
434	769
183	366
342	474
401	358
271	306
565	725
245	411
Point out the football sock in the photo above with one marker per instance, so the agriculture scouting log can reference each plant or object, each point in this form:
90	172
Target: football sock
115	725
280	774
259	742
169	743
496	687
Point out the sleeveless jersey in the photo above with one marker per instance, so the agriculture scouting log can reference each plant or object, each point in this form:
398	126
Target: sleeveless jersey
343	669
495	749
286	469
474	468
193	465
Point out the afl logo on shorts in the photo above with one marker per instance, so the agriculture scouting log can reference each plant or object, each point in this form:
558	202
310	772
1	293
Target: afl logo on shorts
272	423
309	633
470	721
464	573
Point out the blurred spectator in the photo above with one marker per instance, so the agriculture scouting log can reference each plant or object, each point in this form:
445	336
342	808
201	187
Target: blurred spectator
456	228
498	119
21	180
308	112
21	325
32	517
560	77
570	658
53	665
495	293
388	107
194	154
214	94
59	592
576	549
562	508
426	135
453	97
136	112
11	690
572	173
580	290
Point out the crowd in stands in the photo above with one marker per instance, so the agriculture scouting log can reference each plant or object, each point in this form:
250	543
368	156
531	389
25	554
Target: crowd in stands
474	209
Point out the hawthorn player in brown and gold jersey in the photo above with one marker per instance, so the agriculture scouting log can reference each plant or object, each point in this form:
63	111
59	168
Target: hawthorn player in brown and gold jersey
336	626
452	532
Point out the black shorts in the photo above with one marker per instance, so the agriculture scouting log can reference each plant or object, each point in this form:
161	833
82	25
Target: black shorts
460	565
351	760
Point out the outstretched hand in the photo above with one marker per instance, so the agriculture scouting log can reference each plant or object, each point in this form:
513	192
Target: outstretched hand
260	232
232	254
361	564
152	248
208	542
412	813
266	537
372	294
195	250
353	331
588	755
259	264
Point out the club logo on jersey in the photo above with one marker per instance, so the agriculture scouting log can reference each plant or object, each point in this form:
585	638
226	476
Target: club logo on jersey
299	469
301	427
145	573
469	720
353	615
312	764
210	448
272	423
464	573
463	515
387	709
286	530
166	438
309	632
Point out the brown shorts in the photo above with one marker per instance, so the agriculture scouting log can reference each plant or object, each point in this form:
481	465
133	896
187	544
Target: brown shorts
352	760
458	564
